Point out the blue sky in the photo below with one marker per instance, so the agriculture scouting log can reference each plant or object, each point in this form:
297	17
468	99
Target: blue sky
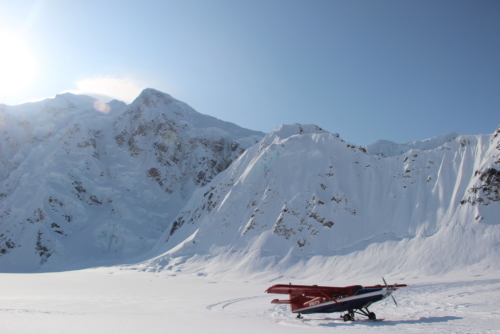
369	70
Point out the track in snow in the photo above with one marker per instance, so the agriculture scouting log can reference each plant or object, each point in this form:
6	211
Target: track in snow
32	311
222	305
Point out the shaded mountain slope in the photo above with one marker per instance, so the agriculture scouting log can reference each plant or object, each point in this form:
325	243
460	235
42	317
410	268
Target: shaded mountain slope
82	188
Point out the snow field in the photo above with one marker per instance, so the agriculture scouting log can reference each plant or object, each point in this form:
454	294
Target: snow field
116	300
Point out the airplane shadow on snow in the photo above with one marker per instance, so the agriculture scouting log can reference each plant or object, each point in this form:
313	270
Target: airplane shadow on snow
388	322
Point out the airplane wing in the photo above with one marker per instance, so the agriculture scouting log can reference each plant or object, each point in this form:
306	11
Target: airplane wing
309	290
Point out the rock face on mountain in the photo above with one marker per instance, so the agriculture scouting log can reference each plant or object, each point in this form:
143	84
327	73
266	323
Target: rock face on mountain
486	182
302	201
79	187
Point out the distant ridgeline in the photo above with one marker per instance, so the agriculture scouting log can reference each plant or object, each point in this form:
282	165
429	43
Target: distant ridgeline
157	184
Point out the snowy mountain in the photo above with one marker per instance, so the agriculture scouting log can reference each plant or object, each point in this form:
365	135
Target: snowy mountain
83	183
160	185
304	202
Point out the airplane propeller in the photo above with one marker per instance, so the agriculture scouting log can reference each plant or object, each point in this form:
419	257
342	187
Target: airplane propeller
390	290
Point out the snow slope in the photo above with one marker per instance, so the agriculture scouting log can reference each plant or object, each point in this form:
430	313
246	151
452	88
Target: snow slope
79	187
305	203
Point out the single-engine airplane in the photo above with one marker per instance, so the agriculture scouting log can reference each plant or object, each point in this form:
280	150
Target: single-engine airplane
307	299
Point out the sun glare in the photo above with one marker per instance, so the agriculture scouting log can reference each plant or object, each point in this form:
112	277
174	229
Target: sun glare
123	89
17	65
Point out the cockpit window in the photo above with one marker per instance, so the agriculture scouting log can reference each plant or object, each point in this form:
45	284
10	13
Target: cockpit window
356	288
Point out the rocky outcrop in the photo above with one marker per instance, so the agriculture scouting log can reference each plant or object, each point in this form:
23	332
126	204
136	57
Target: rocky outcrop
486	187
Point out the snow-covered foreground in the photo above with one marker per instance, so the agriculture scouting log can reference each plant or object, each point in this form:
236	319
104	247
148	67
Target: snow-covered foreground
115	300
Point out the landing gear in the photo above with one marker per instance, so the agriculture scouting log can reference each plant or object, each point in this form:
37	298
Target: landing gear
350	316
299	316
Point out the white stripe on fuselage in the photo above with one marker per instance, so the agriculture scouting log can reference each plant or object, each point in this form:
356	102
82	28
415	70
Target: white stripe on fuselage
346	299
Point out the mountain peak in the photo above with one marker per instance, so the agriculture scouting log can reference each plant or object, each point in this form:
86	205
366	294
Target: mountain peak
287	130
152	98
152	91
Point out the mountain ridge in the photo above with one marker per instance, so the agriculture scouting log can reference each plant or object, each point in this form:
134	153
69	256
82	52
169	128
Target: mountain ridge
388	148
